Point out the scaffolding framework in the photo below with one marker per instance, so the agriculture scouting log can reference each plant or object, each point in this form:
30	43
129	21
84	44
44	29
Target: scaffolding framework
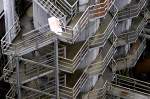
44	65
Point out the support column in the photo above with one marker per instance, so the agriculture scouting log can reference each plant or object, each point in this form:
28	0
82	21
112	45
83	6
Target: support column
40	17
18	78
57	68
9	10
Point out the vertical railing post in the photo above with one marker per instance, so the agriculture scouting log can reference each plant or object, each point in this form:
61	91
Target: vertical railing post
65	80
65	54
57	68
116	78
134	84
18	78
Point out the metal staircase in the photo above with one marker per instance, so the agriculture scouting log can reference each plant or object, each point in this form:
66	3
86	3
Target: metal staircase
72	92
45	76
130	60
71	33
30	41
134	32
71	65
43	36
29	68
100	64
84	20
131	10
104	32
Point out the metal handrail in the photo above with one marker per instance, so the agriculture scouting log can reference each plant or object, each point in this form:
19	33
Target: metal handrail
2	14
135	84
15	25
20	44
115	75
30	40
131	90
139	52
81	81
147	14
137	6
78	26
111	22
38	68
9	68
28	76
36	95
44	64
12	92
64	90
133	7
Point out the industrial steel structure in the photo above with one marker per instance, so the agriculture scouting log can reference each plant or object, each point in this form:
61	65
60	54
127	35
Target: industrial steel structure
97	39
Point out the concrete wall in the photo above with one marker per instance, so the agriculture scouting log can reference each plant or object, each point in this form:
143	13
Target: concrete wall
123	26
89	58
39	15
1	6
121	3
9	10
90	29
83	5
90	83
